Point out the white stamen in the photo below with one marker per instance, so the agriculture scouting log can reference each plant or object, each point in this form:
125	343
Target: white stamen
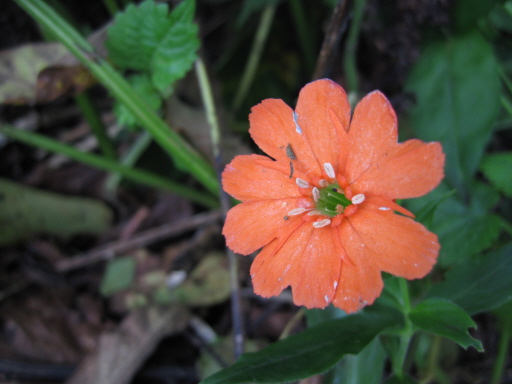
302	183
316	194
297	127
326	298
358	199
384	208
314	213
329	170
323	183
296	211
321	223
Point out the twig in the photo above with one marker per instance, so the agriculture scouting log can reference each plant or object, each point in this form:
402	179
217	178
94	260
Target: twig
207	95
336	28
143	239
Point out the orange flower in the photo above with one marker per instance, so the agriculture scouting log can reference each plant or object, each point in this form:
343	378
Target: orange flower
323	210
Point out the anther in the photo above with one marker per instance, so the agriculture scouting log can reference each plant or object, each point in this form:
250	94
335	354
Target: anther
296	211
321	223
302	183
316	194
329	170
314	213
384	208
323	183
358	199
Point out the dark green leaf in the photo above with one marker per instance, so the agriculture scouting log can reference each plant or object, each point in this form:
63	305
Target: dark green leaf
118	275
497	169
480	283
148	38
463	230
310	352
457	87
354	368
444	318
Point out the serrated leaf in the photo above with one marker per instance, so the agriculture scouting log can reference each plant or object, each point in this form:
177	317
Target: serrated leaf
144	87
496	168
444	318
478	284
457	88
310	352
119	275
148	38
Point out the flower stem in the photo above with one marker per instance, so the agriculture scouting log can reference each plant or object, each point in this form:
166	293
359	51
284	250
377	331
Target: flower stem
97	127
211	115
105	164
350	61
257	48
406	334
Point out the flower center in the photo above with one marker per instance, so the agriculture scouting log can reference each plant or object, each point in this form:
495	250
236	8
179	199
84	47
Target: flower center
331	201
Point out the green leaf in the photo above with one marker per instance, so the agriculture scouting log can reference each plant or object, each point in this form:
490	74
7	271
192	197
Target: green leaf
444	318
26	212
496	168
148	38
119	275
457	87
144	87
480	283
463	230
354	368
310	352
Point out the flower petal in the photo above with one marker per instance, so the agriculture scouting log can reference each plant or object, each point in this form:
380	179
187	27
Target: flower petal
360	281
251	225
255	177
307	260
407	170
273	129
396	244
323	114
373	130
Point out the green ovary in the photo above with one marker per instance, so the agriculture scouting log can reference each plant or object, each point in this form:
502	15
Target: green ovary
331	201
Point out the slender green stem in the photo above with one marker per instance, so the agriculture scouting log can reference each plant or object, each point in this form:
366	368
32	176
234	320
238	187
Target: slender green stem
97	127
304	33
257	48
506	226
129	159
506	103
183	154
136	175
213	121
433	359
501	358
350	59
406	334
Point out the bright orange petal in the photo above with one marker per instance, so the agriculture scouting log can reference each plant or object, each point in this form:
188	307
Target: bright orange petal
323	114
395	244
360	281
373	130
273	129
407	170
251	225
255	177
307	261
